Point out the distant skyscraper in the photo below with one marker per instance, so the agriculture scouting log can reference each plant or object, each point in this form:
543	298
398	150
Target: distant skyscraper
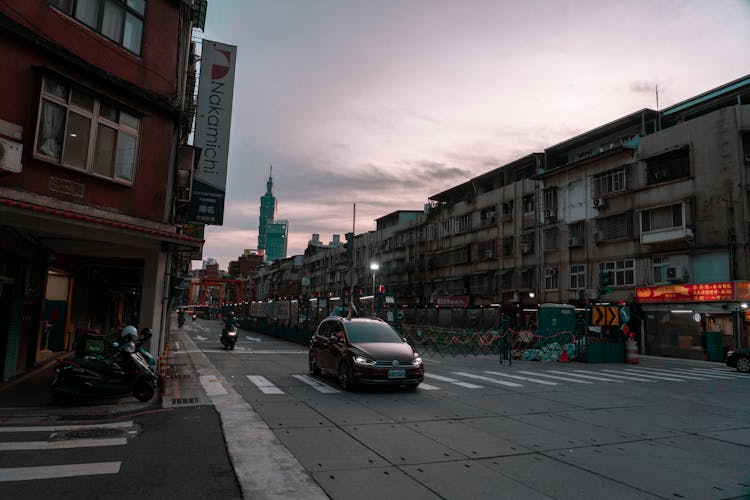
276	236
272	233
267	212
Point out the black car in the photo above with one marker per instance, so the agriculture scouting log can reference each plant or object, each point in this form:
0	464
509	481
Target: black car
364	350
740	359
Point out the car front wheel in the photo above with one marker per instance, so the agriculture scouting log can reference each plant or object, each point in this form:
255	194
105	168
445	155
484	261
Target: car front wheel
743	364
345	376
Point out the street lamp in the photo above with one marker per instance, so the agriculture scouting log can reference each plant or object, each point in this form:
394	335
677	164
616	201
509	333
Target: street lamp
374	268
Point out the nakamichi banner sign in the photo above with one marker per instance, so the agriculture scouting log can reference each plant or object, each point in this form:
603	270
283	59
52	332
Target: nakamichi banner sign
213	122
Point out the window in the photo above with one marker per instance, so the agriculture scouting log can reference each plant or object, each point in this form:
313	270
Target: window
528	278
577	276
613	181
119	20
508	210
669	166
79	130
622	270
576	234
659	270
527	243
550	201
550	239
614	226
487	250
550	279
487	216
528	203
508	246
666	217
506	279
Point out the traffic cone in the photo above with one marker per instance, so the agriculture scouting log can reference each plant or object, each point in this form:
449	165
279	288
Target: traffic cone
564	355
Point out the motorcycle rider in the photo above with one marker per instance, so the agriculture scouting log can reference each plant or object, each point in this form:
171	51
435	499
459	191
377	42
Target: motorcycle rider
181	317
229	322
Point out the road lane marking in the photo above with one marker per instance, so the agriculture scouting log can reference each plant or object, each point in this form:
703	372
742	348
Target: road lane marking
212	385
453	381
265	385
51	428
715	374
428	387
668	373
658	377
55	471
318	386
252	339
589	377
61	445
488	379
683	374
556	377
535	380
616	374
729	372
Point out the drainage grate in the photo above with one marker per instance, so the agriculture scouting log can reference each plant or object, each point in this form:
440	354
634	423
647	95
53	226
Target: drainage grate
174	365
180	375
184	401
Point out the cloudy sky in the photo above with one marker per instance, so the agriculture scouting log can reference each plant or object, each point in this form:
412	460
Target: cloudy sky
384	103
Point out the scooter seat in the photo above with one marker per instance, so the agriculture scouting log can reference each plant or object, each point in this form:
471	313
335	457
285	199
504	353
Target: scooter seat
97	365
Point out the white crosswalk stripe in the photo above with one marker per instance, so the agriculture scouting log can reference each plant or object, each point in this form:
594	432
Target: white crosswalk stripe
535	380
588	377
615	374
265	385
668	373
679	371
658	377
727	373
556	377
428	387
61	438
453	381
488	379
318	386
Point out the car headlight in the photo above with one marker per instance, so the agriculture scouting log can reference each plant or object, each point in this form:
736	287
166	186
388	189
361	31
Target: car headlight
361	360
417	359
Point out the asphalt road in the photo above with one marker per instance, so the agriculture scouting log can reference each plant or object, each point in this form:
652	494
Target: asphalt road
252	423
480	429
174	453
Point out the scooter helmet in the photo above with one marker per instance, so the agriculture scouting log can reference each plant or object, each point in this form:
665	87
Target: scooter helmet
129	332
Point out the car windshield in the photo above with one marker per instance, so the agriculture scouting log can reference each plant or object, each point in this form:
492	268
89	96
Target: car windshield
371	332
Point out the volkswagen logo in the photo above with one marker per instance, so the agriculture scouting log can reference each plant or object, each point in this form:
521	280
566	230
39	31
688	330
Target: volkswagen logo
395	362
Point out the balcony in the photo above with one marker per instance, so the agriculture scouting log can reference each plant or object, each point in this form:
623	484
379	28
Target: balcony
681	233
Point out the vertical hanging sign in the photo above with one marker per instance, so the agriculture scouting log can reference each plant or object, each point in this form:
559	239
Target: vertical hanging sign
213	121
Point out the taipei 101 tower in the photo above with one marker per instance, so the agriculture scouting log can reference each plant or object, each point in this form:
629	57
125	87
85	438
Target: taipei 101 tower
272	233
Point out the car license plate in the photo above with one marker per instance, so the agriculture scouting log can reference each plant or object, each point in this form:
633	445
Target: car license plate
396	373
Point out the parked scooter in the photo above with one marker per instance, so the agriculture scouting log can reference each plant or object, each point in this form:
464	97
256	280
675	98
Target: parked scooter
82	379
194	316
229	337
111	348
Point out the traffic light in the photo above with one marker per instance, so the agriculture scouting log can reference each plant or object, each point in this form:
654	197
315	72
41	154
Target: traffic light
349	249
605	281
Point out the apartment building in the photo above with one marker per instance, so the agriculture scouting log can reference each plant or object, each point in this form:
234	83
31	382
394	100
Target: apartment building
660	199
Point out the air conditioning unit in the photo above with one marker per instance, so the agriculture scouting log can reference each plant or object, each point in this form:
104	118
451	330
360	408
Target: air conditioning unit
676	274
10	156
575	241
599	203
550	215
598	236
